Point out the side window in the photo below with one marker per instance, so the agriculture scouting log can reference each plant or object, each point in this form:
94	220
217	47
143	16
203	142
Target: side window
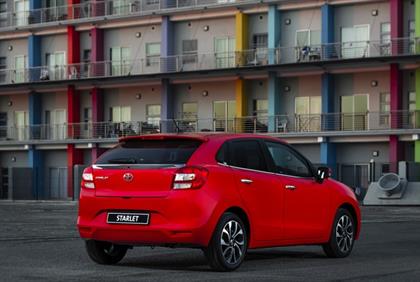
286	161
221	155
247	154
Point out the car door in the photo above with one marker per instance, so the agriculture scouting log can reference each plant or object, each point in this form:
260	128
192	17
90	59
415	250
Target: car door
258	188
305	201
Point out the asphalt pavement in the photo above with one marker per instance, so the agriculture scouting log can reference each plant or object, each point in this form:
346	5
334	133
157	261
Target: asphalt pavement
39	242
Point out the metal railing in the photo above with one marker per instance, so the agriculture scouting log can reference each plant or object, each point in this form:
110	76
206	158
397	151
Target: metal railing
279	124
107	8
211	61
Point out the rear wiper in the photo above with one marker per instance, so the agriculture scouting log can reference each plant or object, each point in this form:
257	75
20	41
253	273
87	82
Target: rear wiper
122	161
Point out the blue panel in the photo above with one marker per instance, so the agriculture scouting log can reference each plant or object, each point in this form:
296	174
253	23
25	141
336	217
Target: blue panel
35	159
167	45
167	110
274	103
329	157
327	29
34	57
35	4
327	32
273	28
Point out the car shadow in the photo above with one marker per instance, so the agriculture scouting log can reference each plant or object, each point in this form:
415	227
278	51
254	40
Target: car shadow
195	261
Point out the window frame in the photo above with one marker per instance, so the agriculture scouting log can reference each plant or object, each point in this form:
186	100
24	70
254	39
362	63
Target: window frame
299	156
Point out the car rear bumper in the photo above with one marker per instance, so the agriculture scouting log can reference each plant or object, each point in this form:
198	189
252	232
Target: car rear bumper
182	217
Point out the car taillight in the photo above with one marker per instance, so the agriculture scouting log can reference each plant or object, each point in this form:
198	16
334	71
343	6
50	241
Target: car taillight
87	179
189	178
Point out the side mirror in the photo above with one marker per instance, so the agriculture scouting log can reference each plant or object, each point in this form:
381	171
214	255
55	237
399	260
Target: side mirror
322	173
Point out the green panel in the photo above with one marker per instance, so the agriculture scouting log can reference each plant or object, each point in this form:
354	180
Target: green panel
417	151
417	16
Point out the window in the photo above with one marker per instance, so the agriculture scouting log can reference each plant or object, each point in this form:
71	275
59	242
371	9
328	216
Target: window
260	107
21	12
152	54
3	66
57	11
55	65
308	113
355	41
119	7
222	154
87	117
164	152
247	154
20	65
225	52
120	114
354	111
384	108
260	41
189	51
120	60
189	111
412	35
385	38
286	161
224	114
3	6
308	38
153	114
308	45
86	59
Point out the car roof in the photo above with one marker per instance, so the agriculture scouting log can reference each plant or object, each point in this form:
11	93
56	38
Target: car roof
205	136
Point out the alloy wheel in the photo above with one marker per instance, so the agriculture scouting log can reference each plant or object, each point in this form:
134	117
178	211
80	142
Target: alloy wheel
232	242
344	233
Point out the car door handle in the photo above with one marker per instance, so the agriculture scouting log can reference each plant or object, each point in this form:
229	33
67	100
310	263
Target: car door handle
246	181
290	187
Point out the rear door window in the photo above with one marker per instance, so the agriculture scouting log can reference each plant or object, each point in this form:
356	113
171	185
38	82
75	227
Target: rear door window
155	152
247	154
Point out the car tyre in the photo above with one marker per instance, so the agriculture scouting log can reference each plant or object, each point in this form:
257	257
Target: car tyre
105	252
342	235
228	245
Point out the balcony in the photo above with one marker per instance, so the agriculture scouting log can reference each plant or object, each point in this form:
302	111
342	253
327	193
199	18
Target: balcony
302	125
92	10
214	61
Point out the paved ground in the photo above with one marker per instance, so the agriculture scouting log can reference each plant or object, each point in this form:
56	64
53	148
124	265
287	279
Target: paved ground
38	241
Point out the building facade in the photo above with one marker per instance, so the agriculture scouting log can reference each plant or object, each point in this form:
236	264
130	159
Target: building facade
338	79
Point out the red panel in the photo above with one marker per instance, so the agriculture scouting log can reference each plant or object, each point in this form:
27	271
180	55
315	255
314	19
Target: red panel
97	37
395	153
396	10
73	45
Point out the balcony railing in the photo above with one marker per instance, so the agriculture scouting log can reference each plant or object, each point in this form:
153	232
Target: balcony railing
300	124
107	8
212	61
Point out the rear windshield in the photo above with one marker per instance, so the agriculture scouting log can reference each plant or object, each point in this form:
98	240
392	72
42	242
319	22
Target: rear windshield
150	152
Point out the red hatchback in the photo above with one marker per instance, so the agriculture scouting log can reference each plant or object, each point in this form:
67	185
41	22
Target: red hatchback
223	193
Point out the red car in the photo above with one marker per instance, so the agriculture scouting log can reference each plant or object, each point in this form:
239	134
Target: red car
223	193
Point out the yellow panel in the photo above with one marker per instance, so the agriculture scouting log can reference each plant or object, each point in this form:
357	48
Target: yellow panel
241	104
241	22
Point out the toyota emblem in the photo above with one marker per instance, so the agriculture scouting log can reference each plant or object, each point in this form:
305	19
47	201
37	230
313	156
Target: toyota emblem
128	177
